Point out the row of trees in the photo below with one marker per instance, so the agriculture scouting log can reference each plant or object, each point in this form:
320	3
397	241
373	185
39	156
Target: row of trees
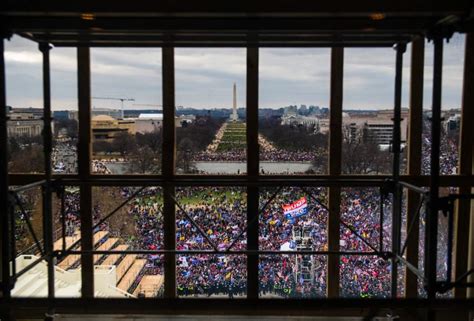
359	156
144	150
291	137
193	138
25	154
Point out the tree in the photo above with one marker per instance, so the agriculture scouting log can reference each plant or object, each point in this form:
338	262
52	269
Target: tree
319	165
145	161
124	143
102	147
153	139
292	137
184	157
201	132
70	125
28	159
361	156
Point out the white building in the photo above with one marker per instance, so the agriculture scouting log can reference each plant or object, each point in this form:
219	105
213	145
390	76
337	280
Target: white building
146	123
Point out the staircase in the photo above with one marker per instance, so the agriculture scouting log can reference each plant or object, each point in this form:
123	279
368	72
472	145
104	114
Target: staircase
115	275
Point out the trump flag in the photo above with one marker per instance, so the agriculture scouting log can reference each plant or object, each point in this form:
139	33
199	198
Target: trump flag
296	209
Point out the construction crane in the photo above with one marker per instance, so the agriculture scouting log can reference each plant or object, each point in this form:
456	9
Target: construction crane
115	98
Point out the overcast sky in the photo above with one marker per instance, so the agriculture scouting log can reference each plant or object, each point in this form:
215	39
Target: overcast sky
204	77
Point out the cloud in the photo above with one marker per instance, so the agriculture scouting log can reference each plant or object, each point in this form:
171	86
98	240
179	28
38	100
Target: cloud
204	76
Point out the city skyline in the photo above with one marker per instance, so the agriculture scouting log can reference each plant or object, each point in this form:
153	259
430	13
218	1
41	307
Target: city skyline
204	77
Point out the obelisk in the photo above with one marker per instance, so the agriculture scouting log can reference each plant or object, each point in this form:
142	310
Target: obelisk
234	107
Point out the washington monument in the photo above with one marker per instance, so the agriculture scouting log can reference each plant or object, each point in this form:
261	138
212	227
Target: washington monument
234	116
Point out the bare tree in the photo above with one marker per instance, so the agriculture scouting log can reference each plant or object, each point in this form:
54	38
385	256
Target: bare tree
145	161
363	156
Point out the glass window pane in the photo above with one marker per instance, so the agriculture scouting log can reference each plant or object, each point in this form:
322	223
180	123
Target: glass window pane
367	124
64	110
293	219
364	276
210	111
126	109
23	67
293	110
210	218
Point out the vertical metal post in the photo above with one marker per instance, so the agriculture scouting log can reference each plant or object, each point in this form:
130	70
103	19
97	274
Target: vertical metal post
335	150
4	202
47	148
431	239
462	217
396	142
414	158
169	156
252	169
84	161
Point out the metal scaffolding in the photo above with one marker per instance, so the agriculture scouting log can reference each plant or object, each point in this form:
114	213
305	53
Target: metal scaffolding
393	184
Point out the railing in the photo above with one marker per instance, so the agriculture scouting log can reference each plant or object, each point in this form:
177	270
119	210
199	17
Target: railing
385	187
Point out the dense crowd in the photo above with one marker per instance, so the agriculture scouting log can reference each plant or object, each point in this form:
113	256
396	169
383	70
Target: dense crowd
64	158
100	167
275	155
364	276
449	152
220	214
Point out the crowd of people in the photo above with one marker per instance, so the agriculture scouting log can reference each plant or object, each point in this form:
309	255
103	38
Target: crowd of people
364	276
235	150
100	167
64	158
275	155
220	213
449	152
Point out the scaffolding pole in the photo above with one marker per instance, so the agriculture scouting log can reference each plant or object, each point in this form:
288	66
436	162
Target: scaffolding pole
396	142
431	234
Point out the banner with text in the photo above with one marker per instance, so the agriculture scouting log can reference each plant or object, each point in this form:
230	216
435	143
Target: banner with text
296	209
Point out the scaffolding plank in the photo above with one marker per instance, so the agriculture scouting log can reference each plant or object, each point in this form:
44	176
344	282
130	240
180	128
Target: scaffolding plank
131	275
112	258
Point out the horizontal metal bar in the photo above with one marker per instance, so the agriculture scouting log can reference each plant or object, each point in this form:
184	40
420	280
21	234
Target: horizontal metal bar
217	9
418	189
216	44
359	180
244	306
225	181
244	24
26	187
236	252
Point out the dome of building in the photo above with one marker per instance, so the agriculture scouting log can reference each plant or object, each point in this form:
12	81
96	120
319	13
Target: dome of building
102	118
